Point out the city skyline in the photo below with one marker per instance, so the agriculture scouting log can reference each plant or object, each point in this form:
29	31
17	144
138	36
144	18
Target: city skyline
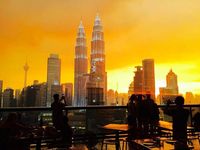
151	30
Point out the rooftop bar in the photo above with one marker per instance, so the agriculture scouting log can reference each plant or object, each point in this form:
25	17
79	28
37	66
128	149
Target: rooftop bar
87	122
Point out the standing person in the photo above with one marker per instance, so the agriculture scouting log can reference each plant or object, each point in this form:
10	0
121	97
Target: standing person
60	120
131	107
57	112
67	133
132	116
180	118
141	118
152	114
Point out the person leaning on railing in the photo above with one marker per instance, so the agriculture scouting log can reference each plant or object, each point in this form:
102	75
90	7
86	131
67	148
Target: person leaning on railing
180	118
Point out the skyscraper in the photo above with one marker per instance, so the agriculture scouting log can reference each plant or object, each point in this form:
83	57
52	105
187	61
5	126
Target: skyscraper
8	97
131	89
171	90
80	68
138	80
41	94
36	95
67	91
98	76
172	82
26	67
148	77
17	96
53	75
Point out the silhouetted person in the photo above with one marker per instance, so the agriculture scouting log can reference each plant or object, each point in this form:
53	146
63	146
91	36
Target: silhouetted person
132	116
150	115
139	110
67	132
196	121
10	132
180	118
57	112
60	120
12	124
131	107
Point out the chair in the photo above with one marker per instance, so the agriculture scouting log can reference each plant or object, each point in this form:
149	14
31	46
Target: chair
111	141
125	142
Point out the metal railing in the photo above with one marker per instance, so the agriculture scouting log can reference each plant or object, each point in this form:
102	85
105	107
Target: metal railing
85	117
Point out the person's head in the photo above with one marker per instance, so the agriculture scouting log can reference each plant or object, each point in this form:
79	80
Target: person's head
133	97
179	101
56	97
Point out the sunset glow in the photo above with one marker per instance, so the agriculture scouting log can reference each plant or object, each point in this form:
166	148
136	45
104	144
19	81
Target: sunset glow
167	31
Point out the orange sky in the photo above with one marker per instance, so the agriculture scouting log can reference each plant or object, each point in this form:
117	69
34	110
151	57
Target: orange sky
168	31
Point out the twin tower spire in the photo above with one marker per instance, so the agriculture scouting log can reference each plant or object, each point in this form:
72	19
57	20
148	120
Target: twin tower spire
82	79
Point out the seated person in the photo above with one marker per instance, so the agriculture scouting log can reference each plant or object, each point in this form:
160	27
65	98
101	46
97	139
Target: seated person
10	131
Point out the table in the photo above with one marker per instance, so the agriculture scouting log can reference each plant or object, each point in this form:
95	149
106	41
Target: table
165	125
169	126
117	128
124	127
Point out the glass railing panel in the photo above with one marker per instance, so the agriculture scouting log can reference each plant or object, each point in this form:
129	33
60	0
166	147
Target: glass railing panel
28	116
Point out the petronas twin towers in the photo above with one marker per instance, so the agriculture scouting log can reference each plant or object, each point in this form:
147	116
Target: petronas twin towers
90	88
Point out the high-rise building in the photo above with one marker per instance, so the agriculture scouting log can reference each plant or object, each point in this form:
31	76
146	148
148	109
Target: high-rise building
165	94
95	96
111	97
131	89
31	93
189	98
53	75
41	94
138	80
1	94
148	77
80	68
26	68
8	97
17	96
67	91
171	90
172	82
98	75
36	95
